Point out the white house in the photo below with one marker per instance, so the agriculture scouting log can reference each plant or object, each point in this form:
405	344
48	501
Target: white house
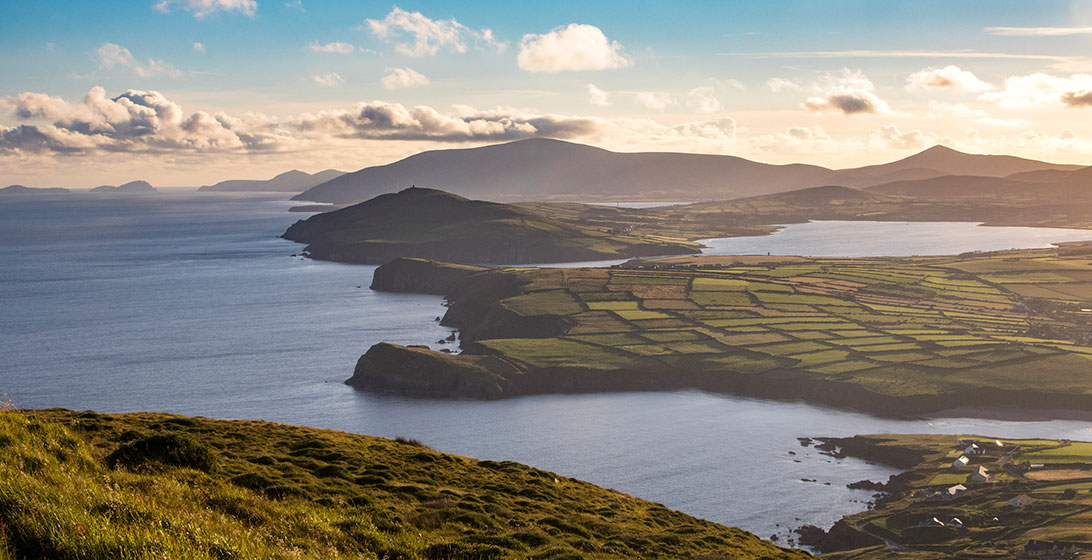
956	522
960	462
974	449
931	522
956	490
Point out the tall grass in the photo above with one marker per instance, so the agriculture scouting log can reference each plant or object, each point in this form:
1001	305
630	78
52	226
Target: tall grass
57	501
85	486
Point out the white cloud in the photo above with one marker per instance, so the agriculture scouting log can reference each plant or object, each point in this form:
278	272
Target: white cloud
889	136
1039	89
335	47
654	100
146	122
597	96
400	78
950	77
705	100
850	94
573	47
778	85
332	79
430	36
1038	31
203	8
111	55
199	48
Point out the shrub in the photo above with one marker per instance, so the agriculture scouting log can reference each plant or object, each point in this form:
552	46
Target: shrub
167	449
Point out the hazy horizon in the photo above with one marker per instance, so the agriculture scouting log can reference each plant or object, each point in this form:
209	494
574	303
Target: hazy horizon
192	92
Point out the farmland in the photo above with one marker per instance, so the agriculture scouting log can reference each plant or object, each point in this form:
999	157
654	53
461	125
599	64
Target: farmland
1024	498
917	333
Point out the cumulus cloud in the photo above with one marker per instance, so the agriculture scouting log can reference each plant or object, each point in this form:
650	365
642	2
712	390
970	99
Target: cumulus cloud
850	94
204	8
199	48
430	36
705	100
1039	89
112	56
1081	98
597	96
654	100
889	136
950	77
331	79
576	46
778	85
146	122
400	78
135	121
334	47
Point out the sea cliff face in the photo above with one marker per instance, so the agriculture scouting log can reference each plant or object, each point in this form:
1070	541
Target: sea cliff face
402	369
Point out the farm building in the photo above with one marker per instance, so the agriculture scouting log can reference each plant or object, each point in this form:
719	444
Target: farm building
981	475
1023	500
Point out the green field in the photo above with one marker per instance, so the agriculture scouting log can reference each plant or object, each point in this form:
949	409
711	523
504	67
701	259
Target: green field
897	327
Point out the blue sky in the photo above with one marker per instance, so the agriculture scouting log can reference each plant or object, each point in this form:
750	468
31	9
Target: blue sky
243	88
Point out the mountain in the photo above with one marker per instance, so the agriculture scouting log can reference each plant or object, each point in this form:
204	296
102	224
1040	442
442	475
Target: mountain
539	168
294	181
130	187
433	224
941	160
20	189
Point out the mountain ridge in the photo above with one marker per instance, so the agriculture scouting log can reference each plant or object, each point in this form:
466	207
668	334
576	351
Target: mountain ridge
541	169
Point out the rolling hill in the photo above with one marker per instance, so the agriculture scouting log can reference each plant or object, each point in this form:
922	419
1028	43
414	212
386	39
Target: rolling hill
81	485
293	181
1043	186
433	224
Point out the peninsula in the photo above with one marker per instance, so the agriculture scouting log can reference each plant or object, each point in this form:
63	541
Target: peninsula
893	336
433	224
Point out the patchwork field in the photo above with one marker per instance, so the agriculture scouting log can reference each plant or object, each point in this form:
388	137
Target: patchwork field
899	327
935	510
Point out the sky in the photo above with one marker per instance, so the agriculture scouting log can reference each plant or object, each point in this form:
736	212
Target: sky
190	92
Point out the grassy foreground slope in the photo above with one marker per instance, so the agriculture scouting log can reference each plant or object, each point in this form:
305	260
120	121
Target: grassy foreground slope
1037	490
90	486
434	224
886	334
